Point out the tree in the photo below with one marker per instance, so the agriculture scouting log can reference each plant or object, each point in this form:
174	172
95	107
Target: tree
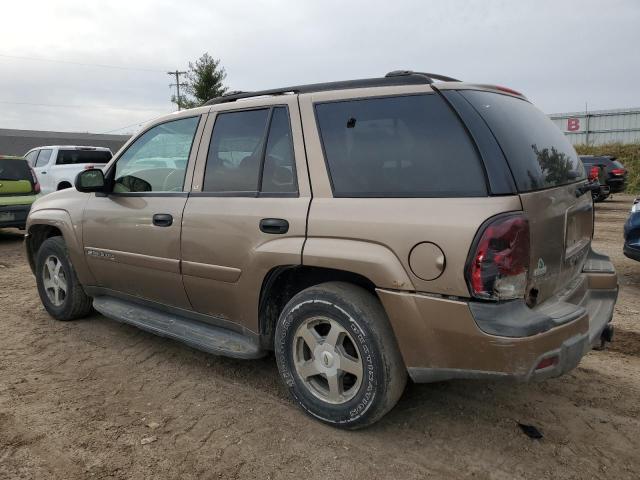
204	82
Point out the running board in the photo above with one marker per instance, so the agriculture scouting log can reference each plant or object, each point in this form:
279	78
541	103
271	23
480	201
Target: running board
208	338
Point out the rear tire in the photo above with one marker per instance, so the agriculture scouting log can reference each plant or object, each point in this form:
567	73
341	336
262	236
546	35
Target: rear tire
337	354
58	286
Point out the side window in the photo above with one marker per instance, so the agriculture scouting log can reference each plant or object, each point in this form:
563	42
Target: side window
31	157
405	146
233	161
157	160
43	157
279	172
241	148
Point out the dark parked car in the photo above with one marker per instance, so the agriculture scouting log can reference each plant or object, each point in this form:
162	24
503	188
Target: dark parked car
596	177
632	232
616	174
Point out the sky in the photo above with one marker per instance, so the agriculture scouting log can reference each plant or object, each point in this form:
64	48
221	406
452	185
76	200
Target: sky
100	66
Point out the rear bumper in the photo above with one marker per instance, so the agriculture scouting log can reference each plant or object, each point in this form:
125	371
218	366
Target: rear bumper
616	185
442	339
19	215
631	252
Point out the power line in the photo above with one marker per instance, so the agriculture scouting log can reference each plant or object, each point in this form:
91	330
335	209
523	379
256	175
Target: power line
128	126
83	64
61	105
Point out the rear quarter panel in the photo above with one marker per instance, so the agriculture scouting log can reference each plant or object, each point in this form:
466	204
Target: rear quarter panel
345	232
374	236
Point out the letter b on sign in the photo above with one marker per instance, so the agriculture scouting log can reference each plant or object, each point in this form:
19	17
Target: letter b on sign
573	124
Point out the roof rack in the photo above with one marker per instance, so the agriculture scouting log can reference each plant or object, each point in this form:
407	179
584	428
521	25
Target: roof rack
431	76
395	78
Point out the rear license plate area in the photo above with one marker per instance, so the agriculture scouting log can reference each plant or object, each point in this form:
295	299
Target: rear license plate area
7	216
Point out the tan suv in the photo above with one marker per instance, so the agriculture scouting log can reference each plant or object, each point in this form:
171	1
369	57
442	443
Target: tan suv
361	230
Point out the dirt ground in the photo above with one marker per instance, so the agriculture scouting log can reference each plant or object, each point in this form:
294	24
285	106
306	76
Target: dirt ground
98	399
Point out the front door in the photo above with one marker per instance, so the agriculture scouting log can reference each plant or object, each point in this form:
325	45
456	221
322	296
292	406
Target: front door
132	235
247	210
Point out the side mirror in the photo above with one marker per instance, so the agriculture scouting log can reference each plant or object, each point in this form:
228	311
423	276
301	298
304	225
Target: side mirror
90	180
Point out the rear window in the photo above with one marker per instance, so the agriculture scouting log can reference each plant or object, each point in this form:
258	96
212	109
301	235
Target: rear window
406	146
538	153
14	170
71	157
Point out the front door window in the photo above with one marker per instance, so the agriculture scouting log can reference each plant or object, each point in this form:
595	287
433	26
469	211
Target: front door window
157	160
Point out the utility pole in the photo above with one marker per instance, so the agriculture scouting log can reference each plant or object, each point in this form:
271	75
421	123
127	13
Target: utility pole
177	84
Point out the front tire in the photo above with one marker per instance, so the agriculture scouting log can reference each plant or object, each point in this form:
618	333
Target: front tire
337	354
58	286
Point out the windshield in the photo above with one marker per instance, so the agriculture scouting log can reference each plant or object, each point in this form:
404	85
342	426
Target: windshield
14	170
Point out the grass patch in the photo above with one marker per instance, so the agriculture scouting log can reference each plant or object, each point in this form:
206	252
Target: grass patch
627	153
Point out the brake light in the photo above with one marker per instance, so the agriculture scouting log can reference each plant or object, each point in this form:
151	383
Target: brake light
618	171
34	178
88	166
509	90
499	266
594	173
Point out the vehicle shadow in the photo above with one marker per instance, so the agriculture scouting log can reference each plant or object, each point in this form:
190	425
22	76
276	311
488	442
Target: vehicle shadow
8	235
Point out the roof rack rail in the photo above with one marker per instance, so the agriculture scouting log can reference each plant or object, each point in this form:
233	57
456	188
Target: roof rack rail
395	78
430	76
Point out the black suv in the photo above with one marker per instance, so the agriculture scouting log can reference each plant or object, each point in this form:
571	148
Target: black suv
615	173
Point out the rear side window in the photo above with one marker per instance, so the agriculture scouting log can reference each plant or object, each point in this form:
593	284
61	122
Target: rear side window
14	170
70	157
251	151
616	164
538	153
406	146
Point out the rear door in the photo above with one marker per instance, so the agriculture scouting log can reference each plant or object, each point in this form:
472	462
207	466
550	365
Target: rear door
247	211
549	177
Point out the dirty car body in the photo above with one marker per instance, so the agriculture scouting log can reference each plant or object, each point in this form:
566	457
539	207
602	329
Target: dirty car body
324	222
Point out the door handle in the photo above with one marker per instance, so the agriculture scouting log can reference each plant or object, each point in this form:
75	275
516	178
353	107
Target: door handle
43	173
274	225
162	220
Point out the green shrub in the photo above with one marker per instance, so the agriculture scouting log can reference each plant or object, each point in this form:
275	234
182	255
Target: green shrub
627	153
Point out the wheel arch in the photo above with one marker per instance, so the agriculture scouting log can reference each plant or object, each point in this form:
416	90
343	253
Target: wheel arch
46	223
281	283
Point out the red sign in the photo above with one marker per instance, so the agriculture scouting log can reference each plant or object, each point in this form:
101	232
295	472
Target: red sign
573	124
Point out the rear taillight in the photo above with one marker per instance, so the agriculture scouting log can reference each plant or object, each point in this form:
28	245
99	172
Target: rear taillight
509	90
594	173
36	185
499	265
618	171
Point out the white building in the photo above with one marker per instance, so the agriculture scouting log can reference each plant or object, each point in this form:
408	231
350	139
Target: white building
600	126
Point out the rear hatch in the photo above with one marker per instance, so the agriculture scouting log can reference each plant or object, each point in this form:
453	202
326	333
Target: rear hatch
549	177
15	177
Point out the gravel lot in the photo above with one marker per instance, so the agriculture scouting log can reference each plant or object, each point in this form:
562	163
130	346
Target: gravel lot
98	399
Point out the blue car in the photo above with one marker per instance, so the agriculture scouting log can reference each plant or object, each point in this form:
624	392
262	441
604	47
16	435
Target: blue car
632	232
